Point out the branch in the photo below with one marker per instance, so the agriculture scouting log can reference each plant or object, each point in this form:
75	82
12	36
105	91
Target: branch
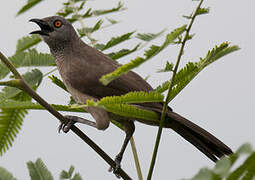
163	114
21	84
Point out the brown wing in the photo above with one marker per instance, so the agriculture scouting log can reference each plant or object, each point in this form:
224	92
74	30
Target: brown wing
89	65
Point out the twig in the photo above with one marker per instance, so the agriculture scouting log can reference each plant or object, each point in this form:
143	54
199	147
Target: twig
163	114
21	84
137	164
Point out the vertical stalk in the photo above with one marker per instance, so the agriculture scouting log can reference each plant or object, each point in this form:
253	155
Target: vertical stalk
171	84
137	164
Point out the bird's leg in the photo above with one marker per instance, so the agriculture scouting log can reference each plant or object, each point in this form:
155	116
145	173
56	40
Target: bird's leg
129	128
71	120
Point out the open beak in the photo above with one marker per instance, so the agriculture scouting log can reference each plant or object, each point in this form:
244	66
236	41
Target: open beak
45	27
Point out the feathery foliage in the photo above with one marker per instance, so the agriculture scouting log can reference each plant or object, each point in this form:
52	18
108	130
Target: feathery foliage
27	42
168	67
122	53
58	82
151	52
124	110
28	105
12	119
119	104
149	36
6	175
87	30
106	11
28	5
69	174
114	41
191	70
223	169
132	97
38	170
27	59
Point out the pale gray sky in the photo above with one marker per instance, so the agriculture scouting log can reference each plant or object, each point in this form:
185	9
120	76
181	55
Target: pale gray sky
220	99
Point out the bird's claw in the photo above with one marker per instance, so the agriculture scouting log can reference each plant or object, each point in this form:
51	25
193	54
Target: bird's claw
115	169
66	126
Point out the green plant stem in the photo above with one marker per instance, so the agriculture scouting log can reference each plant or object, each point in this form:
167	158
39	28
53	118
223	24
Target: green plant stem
137	164
21	84
12	83
163	114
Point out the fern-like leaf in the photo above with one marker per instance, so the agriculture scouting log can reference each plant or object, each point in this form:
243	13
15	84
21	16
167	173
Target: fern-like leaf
77	176
132	97
149	36
151	52
191	70
33	78
27	59
6	175
201	11
28	5
58	82
122	53
107	11
168	67
88	30
13	104
114	41
224	167
27	42
125	110
12	119
38	170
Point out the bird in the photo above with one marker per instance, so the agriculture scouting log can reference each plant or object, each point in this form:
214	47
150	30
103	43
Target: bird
81	66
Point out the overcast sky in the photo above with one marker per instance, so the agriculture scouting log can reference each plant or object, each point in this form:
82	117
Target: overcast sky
220	99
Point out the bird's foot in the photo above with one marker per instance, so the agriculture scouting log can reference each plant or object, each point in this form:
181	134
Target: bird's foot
115	169
66	126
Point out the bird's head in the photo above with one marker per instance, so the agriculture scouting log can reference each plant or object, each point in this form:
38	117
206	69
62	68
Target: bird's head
55	31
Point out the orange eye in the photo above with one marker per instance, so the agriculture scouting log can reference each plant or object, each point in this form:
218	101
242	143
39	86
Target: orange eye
57	23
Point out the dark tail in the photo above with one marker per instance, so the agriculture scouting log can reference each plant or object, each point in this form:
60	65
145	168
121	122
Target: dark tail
212	147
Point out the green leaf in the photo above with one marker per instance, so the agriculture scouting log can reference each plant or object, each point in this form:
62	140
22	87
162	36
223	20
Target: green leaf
70	171
27	42
245	170
168	67
114	41
12	119
33	78
201	11
127	111
223	168
192	69
87	30
206	174
106	11
122	53
149	36
77	176
64	175
29	5
58	82
151	52
112	21
38	170
13	104
27	59
132	97
106	79
6	175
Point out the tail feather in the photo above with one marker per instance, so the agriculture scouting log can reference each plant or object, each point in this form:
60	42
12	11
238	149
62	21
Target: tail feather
212	147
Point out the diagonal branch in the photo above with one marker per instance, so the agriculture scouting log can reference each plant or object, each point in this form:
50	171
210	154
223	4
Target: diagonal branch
21	84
